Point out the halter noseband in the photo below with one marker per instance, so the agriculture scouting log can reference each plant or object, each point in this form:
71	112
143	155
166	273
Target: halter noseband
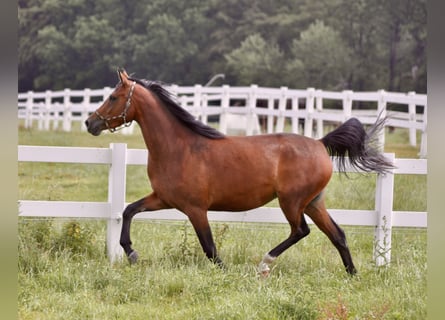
123	114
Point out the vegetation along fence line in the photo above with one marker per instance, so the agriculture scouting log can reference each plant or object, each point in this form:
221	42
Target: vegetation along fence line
240	108
117	156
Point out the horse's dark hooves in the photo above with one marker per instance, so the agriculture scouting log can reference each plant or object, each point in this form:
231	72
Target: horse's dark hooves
351	271
222	266
133	257
219	263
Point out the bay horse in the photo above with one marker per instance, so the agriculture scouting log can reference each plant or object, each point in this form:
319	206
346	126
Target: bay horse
195	168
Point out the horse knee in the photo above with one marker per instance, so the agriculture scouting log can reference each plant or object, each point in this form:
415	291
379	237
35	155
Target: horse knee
130	211
299	234
305	230
302	230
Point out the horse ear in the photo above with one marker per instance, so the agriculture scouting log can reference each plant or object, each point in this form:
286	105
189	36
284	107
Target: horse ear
123	76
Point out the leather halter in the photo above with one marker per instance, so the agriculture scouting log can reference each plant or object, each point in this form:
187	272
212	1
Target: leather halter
123	114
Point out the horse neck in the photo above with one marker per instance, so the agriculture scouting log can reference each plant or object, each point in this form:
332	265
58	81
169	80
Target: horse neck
163	133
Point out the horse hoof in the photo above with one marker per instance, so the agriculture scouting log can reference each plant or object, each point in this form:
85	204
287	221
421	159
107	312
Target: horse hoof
265	274
133	257
263	270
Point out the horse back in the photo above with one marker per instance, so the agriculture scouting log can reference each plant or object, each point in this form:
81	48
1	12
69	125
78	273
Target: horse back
251	171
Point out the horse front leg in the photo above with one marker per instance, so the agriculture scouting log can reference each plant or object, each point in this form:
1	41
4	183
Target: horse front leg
200	223
149	203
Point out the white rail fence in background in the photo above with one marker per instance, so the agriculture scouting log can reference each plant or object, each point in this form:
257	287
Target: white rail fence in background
240	108
117	156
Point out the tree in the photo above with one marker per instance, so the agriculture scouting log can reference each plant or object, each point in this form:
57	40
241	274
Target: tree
58	46
403	29
320	58
79	43
167	49
358	27
256	61
54	53
95	45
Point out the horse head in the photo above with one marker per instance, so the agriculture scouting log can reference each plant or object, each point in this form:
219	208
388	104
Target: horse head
115	112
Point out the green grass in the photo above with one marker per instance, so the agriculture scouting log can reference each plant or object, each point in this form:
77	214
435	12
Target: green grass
174	280
63	271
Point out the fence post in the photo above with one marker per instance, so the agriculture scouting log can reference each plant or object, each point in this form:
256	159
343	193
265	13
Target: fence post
251	109
281	109
56	108
41	108
381	111
66	110
85	105
423	142
47	117
270	118
29	105
204	106
347	104
308	121
116	199
319	108
295	111
412	120
383	208
197	95
225	102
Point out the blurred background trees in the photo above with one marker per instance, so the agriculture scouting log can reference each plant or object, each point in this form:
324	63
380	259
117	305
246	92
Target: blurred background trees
328	44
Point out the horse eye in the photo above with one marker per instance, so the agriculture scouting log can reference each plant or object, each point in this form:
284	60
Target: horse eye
112	98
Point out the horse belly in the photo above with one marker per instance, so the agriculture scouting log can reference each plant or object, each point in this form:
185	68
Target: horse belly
240	202
238	190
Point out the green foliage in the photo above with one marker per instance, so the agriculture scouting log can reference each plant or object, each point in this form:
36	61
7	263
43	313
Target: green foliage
322	57
76	238
54	51
256	61
167	48
359	45
71	237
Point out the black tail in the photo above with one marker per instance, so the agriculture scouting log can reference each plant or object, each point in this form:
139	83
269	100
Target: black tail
351	142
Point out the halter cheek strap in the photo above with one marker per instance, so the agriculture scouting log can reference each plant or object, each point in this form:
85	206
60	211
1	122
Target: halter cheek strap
123	114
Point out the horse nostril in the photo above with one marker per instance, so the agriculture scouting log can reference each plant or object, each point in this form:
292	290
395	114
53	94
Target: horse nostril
87	123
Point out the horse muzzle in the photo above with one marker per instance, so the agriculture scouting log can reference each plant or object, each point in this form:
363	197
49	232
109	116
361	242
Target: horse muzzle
95	126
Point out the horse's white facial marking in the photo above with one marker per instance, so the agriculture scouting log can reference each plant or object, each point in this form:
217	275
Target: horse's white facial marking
263	267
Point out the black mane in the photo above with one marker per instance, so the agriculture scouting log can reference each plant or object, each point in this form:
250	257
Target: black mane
182	115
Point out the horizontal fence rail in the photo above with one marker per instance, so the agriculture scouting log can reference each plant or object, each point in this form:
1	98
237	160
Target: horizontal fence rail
251	110
117	156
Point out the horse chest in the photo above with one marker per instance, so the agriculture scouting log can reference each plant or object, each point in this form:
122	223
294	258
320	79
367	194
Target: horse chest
176	184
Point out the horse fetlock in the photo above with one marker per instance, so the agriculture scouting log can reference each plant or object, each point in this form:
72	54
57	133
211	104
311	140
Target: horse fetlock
264	265
133	257
351	270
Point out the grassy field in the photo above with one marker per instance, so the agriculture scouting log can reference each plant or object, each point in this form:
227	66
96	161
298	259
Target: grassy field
64	273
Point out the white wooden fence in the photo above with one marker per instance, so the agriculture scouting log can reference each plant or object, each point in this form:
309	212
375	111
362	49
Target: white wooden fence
118	157
54	108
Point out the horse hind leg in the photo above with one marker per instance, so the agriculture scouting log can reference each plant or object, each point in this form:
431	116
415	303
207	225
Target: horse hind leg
299	230
316	210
